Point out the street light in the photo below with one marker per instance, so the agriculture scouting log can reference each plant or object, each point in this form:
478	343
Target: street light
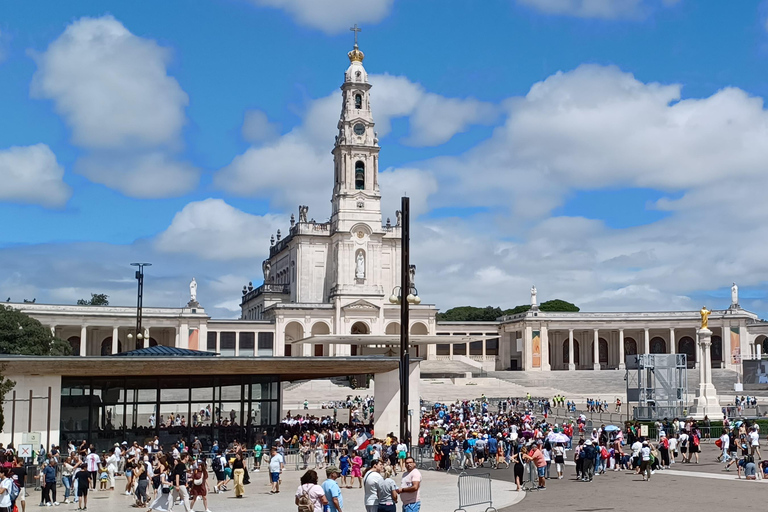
411	297
140	298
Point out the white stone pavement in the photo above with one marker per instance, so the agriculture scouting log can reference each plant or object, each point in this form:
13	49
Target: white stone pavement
439	494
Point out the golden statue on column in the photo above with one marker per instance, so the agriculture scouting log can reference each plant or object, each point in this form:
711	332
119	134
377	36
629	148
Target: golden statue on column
704	317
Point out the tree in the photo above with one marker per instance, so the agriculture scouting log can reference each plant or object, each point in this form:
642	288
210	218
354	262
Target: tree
23	335
470	314
5	386
97	299
558	305
490	313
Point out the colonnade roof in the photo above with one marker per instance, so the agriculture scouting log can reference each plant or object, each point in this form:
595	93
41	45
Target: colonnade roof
288	368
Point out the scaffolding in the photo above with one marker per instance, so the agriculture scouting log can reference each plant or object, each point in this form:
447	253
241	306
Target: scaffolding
657	386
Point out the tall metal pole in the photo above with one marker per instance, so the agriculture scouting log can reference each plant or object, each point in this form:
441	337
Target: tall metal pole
140	298
405	290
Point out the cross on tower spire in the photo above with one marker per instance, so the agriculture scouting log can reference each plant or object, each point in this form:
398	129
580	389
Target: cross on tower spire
355	29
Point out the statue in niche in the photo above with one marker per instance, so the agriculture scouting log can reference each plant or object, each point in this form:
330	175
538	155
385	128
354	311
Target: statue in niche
193	290
399	217
266	267
360	266
533	296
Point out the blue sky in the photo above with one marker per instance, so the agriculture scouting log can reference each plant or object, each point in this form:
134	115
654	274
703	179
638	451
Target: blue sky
610	152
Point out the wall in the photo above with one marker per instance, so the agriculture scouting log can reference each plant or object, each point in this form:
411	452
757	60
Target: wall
39	386
387	402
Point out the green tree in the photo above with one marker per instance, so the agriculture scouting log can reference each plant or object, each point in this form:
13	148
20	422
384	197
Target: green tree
490	313
23	335
5	386
97	299
557	305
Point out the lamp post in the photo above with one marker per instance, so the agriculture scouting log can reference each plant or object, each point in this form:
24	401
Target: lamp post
411	297
140	298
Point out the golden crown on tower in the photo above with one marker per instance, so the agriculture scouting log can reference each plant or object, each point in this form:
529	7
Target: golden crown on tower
356	55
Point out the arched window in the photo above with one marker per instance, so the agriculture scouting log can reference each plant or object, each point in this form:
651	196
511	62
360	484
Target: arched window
359	175
358	101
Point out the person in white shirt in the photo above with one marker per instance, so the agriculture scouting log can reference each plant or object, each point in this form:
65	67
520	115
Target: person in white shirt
371	482
672	449
725	444
92	464
645	461
5	491
754	443
636	447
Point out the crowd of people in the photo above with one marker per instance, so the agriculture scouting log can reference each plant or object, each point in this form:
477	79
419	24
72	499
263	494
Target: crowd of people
512	434
472	433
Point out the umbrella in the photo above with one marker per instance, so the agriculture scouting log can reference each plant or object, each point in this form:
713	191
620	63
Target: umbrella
611	428
556	437
526	434
738	423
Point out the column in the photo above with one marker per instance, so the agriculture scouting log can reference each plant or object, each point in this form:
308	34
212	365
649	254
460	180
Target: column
647	342
145	341
622	361
527	348
203	336
114	340
83	340
672	343
596	350
758	350
237	343
183	341
218	342
571	362
545	349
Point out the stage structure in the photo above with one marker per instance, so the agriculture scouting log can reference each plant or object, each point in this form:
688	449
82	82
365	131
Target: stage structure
657	386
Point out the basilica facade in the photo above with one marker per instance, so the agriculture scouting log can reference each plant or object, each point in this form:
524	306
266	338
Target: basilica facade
326	288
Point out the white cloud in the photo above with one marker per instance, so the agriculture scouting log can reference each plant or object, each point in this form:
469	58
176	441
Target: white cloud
257	128
214	230
332	16
145	175
113	90
111	86
32	175
601	9
417	185
297	168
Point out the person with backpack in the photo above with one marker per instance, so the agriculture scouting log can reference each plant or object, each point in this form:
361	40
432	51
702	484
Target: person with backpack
6	487
663	447
310	497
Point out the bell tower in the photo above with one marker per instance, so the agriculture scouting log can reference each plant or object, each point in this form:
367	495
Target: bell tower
356	197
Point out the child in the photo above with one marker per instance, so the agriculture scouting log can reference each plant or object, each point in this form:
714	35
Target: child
103	476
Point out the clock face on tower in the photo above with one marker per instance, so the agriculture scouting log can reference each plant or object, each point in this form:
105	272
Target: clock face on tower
359	129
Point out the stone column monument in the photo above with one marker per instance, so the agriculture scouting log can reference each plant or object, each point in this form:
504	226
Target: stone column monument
706	402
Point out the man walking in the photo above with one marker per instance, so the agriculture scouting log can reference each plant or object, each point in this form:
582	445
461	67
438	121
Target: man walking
410	487
332	490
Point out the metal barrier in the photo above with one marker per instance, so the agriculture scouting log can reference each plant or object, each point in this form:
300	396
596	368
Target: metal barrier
425	458
532	483
475	490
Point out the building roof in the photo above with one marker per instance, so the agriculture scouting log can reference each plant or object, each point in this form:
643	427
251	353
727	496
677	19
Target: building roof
163	351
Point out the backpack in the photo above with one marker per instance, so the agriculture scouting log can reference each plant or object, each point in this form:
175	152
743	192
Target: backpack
216	464
14	492
305	502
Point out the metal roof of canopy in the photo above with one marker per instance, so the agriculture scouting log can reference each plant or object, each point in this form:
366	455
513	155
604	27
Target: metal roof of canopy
387	339
287	368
